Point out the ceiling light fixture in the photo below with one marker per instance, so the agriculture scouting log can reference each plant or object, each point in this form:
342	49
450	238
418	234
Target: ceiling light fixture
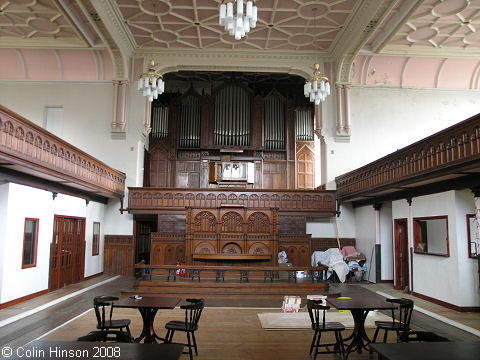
151	83
238	22
317	88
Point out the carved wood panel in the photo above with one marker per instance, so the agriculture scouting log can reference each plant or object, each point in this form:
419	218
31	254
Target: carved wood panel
274	175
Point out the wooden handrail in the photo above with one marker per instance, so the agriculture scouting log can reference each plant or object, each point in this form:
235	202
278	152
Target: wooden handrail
26	144
454	149
232	268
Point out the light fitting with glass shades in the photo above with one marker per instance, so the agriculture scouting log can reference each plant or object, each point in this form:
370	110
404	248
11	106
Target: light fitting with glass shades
237	18
151	83
317	88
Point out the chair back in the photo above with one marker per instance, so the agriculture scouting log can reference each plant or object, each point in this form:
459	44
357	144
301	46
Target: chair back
99	304
192	313
107	336
421	336
315	310
405	309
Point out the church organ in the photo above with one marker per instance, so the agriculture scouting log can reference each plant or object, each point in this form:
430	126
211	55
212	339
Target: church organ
221	152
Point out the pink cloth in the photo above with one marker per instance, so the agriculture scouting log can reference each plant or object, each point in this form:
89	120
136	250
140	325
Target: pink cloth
348	251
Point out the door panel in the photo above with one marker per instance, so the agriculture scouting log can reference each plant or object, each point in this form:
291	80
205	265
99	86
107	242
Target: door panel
67	259
401	254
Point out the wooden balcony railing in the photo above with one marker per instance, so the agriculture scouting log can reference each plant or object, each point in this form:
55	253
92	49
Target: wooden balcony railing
453	150
25	144
308	202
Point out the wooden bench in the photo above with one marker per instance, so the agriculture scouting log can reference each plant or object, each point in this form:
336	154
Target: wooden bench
220	270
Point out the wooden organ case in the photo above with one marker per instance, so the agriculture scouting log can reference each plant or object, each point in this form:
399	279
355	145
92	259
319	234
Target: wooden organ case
208	214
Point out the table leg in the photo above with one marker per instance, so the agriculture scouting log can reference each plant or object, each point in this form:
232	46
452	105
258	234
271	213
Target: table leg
359	337
148	332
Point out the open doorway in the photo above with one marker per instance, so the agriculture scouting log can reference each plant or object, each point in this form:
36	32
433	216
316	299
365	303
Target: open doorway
144	226
401	254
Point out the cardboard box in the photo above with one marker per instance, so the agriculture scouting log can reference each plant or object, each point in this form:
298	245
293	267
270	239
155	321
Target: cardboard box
291	304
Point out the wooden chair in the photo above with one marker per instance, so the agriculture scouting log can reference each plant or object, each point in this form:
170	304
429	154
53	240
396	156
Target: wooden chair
192	315
317	316
107	336
421	336
104	324
405	309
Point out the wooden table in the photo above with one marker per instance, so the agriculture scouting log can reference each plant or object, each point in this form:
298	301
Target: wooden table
428	350
148	307
61	350
360	305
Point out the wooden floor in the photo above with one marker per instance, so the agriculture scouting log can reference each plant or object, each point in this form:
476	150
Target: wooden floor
229	327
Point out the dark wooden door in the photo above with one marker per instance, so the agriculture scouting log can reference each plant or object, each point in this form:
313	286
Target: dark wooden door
67	255
401	254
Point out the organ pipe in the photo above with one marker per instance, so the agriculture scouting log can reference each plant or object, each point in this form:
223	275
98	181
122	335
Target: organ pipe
232	117
274	123
159	122
304	125
190	122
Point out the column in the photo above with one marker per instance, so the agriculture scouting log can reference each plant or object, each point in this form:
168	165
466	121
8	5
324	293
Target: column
122	106
378	254
115	105
339	109
410	245
346	99
476	194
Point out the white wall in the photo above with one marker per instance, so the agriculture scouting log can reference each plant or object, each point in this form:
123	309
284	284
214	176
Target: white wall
451	279
23	202
365	239
386	241
3	229
467	267
87	117
384	120
325	227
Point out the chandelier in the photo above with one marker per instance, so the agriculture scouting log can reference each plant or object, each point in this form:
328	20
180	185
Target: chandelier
317	87
238	22
151	83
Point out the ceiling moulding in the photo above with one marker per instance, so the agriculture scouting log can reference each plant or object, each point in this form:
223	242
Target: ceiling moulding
300	65
12	42
401	50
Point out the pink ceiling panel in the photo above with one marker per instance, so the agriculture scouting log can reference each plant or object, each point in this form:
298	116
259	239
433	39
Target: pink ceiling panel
137	68
341	5
41	64
107	65
385	71
457	73
78	65
422	72
357	70
11	68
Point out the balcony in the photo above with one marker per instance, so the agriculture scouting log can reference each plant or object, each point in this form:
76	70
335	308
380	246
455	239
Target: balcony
32	156
447	160
176	200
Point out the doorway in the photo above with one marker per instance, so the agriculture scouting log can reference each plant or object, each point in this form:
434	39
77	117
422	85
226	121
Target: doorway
144	225
401	254
67	251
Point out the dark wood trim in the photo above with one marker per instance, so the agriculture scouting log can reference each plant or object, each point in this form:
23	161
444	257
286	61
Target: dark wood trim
416	234
96	249
93	276
387	281
34	149
469	235
431	161
446	304
23	298
36	243
20	178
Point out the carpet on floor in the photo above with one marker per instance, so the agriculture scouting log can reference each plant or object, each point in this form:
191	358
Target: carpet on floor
301	320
